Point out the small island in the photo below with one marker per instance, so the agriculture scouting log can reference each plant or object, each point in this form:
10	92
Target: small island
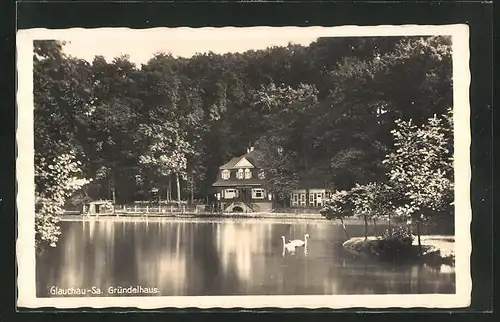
416	196
436	249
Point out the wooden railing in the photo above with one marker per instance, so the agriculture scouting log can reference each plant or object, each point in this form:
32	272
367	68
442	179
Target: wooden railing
160	209
139	209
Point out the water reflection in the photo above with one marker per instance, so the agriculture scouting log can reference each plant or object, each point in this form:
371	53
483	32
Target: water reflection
224	257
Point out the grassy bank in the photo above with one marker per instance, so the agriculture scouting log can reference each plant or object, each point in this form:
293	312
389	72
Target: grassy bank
436	249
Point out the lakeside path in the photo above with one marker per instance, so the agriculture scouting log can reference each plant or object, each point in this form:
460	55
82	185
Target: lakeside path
207	216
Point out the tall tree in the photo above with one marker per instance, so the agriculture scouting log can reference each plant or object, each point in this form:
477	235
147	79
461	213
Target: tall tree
164	124
421	166
111	125
285	150
338	125
61	92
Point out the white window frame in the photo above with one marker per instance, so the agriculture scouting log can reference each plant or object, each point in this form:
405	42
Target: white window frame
262	174
226	174
248	174
258	190
319	201
303	199
240	174
230	193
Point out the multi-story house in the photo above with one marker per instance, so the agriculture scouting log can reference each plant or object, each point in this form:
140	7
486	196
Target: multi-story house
240	185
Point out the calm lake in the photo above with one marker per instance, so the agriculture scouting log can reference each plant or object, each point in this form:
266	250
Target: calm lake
192	257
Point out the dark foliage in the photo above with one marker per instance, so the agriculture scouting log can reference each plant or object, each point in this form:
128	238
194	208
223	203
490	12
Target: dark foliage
395	242
330	110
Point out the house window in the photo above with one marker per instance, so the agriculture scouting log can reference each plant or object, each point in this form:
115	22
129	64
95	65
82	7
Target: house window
302	199
258	194
248	174
262	174
229	194
311	198
239	174
295	199
319	201
226	174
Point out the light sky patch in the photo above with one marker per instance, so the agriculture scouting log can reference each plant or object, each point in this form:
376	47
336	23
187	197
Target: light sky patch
140	45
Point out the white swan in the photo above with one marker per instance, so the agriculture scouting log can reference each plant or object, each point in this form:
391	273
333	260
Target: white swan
300	243
289	247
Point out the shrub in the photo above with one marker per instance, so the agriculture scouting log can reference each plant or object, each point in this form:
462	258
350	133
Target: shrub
56	180
338	206
395	242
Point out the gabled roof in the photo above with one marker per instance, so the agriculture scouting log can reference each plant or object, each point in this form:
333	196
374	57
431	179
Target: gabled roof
244	163
253	157
230	164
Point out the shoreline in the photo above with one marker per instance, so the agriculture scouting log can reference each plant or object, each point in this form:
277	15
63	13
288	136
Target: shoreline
200	215
166	216
218	215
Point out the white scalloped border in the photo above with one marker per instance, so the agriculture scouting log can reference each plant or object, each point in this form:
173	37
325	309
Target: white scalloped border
26	291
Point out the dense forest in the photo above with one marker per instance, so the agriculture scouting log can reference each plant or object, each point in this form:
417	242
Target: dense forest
321	112
327	108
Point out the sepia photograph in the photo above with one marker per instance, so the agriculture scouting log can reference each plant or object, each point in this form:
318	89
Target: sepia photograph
244	167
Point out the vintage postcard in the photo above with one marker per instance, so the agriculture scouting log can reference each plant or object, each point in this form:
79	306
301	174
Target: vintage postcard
263	167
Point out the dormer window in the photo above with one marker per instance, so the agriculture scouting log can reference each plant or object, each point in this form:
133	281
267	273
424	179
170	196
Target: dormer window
226	174
240	174
248	174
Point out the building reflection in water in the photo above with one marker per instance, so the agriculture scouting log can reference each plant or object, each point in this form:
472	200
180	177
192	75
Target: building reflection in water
224	257
86	263
162	264
241	248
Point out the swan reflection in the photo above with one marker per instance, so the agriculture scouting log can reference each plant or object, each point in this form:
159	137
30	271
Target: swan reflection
290	247
223	257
